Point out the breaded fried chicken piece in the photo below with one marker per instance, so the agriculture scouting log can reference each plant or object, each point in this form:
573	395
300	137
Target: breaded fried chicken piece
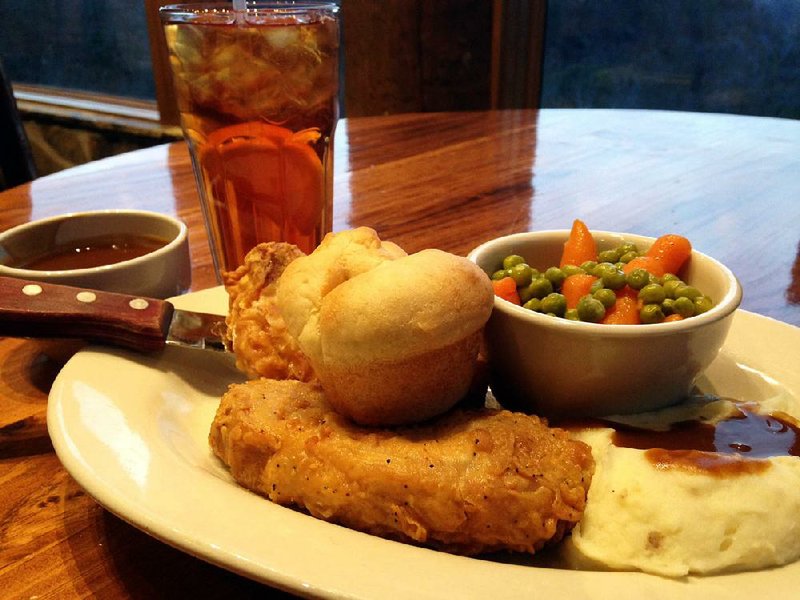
256	332
469	482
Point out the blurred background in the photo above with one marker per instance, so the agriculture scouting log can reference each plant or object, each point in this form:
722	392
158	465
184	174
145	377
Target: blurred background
90	79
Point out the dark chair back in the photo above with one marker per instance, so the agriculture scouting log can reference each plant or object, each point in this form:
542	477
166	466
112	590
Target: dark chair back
16	159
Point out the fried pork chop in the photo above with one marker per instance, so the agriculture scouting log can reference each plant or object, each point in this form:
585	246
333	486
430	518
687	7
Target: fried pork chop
256	332
469	482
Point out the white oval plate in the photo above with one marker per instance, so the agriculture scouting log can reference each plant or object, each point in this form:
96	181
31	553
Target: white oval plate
132	430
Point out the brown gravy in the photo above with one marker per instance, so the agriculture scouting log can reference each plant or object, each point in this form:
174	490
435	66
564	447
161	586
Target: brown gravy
735	445
91	252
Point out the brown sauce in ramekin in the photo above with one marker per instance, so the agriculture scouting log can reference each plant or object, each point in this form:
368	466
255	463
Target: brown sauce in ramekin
91	252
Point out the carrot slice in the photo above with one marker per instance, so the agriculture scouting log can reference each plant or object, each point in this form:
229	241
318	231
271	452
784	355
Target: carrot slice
647	263
668	254
506	288
625	310
673	317
580	245
576	286
670	251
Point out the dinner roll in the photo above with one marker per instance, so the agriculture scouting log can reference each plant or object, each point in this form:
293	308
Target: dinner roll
393	338
306	281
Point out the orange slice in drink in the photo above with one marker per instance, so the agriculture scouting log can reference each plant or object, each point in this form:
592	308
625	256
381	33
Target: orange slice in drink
302	171
270	180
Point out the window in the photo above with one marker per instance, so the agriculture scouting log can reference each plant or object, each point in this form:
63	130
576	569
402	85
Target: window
89	45
735	56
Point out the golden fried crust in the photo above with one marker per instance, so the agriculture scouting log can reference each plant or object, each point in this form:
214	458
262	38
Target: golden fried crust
256	332
469	482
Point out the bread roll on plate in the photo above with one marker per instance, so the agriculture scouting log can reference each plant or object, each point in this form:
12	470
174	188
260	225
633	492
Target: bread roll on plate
393	338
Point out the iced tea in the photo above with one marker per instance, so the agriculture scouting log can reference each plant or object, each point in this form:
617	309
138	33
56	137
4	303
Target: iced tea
258	97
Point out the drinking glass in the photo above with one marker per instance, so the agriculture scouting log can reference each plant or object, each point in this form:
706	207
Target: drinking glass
257	91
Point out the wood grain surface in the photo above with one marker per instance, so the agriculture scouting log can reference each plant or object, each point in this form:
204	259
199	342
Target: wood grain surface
731	184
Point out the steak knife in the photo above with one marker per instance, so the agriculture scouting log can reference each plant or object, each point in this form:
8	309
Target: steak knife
44	310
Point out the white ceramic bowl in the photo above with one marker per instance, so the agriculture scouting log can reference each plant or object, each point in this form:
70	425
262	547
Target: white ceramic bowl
163	272
560	368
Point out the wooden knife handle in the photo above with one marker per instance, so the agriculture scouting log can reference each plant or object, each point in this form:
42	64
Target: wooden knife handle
46	310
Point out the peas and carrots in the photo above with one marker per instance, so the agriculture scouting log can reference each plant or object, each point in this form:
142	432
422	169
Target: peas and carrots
620	285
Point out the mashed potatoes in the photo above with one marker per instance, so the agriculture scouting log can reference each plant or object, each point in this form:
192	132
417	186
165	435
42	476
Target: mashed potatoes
680	520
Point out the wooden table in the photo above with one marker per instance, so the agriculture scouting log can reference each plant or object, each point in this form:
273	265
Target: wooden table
731	184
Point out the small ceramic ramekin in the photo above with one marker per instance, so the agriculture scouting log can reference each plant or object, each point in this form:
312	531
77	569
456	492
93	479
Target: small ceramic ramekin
561	368
162	272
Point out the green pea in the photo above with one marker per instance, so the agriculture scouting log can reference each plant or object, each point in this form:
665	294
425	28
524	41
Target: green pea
671	277
702	304
684	306
589	266
538	288
555	275
628	257
610	256
554	303
521	273
687	291
533	304
569	270
498	275
628	247
651	313
511	260
601	268
527	292
656	279
613	279
652	293
668	306
572	314
637	278
606	296
670	286
596	285
590	310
